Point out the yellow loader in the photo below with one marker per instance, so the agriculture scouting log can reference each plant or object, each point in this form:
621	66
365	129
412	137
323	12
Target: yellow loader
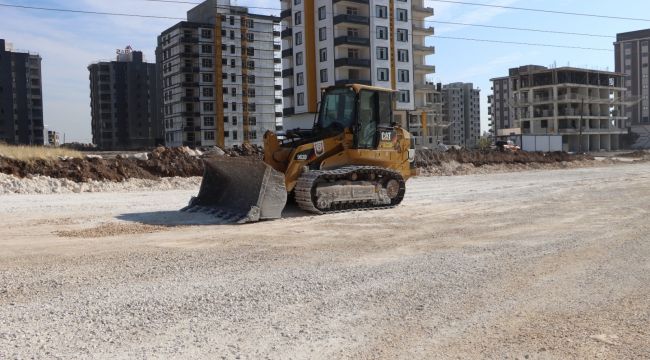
354	158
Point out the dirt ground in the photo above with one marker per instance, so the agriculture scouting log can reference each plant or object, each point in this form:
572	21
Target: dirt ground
529	265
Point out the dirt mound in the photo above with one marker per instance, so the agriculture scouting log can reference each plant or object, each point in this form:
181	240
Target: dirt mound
170	162
162	162
428	158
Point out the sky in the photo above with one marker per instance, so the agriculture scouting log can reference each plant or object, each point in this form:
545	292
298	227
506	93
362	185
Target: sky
68	42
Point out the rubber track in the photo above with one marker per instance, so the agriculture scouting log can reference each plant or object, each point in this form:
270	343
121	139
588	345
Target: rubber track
305	189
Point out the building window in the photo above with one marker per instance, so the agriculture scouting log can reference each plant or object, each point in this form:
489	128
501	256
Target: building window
352	11
323	54
402	35
352	32
300	79
402	15
208	135
206	49
382	32
208	92
404	96
208	121
250	37
381	11
403	75
323	75
299	58
233	77
321	13
233	92
232	20
252	121
251	64
233	63
232	49
250	51
301	99
234	120
297	18
382	74
251	92
322	34
233	106
207	34
206	63
382	53
207	78
234	134
402	55
208	106
296	2
299	38
250	23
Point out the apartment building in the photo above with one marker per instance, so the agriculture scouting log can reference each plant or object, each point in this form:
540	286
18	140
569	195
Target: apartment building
632	57
124	103
221	76
584	106
461	109
500	110
21	97
373	42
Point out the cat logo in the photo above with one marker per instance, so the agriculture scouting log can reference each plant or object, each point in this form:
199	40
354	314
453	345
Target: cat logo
301	157
386	136
319	148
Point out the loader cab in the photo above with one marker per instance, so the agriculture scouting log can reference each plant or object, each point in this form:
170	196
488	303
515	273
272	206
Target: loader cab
365	110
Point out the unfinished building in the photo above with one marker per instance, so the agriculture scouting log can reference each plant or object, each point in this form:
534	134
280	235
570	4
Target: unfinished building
584	106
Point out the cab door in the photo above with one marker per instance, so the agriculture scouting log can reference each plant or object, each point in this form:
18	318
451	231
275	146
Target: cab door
374	114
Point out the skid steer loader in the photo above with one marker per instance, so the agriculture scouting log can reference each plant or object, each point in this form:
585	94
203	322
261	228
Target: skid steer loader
353	158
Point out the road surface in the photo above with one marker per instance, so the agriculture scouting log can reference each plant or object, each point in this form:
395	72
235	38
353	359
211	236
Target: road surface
537	264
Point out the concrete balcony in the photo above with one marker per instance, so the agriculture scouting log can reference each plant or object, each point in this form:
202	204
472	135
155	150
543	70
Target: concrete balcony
428	69
286	33
287	52
428	50
287	73
424	87
351	19
288	111
421	30
365	63
285	14
421	11
287	92
352	40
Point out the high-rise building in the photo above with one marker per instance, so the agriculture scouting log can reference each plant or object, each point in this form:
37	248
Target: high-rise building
124	103
21	97
221	76
372	42
633	58
461	109
501	113
584	106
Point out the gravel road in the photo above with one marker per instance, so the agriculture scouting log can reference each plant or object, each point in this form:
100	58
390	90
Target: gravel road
537	264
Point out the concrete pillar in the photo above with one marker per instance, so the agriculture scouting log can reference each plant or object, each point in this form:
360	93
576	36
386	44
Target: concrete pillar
605	142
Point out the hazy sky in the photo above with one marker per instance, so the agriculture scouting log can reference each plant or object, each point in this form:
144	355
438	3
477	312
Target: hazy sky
69	42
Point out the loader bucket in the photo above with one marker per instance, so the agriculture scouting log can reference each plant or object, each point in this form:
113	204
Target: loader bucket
240	190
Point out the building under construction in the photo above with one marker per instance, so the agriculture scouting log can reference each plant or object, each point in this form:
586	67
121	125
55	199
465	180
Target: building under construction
584	106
